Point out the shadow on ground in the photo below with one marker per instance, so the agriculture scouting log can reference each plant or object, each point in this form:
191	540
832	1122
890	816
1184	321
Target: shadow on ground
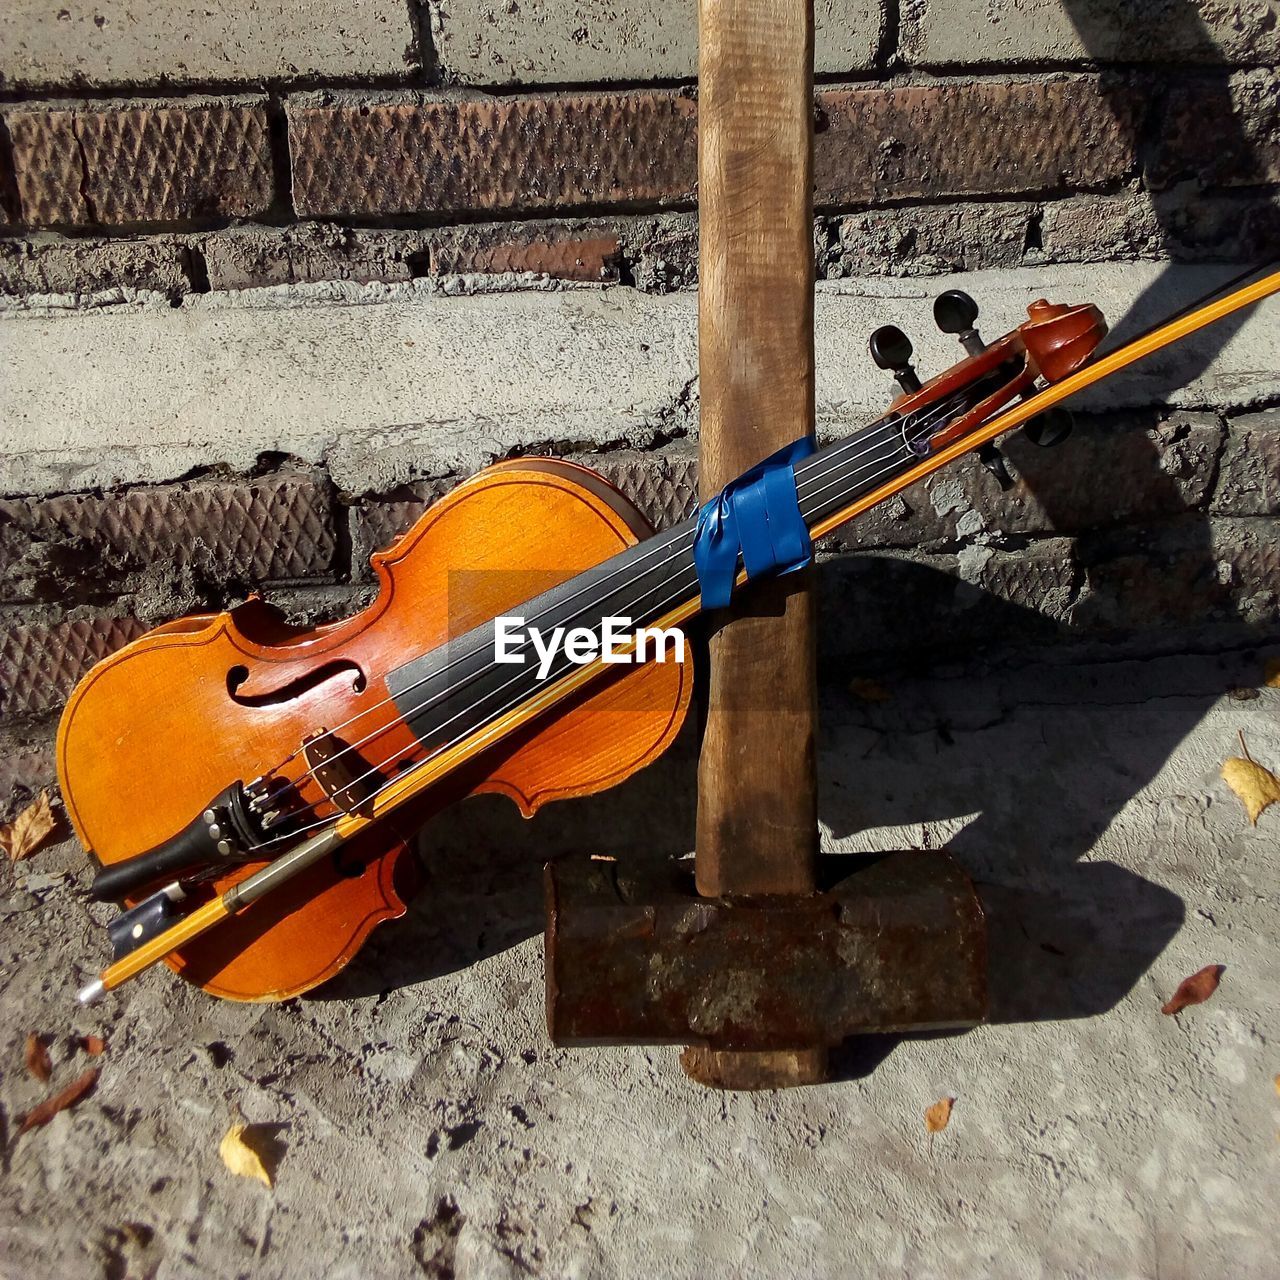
1022	770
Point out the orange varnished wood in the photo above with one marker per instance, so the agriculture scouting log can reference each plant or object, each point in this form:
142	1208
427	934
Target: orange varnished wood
1053	342
154	732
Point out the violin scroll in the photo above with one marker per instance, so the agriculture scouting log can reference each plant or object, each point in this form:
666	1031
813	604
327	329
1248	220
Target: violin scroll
1052	343
1059	339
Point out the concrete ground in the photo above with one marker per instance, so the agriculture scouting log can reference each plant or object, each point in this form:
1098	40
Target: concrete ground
428	1128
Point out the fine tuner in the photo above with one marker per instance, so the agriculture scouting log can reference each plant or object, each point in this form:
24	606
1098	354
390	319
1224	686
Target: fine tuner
955	312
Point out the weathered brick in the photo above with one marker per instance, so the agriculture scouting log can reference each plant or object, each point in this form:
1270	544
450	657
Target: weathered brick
926	240
252	257
48	168
40	662
115	42
454	156
516	250
1221	132
277	527
1248	556
909	603
1249	473
664	486
142	163
1186	224
976	32
1187	576
48	263
1113	470
932	239
1151	471
1041	578
1098	228
401	155
990	136
662	252
377	521
1230	227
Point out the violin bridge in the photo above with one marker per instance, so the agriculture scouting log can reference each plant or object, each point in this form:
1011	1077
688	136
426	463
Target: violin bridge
339	770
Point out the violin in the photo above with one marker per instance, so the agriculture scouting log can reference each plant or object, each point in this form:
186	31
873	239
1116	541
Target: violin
252	789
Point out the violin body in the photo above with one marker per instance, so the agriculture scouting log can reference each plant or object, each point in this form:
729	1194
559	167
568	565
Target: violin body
182	713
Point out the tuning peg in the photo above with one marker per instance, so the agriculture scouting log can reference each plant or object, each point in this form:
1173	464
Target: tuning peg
955	312
993	460
892	349
1049	428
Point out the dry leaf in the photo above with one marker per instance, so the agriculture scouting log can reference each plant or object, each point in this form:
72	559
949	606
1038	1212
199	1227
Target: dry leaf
38	1063
30	829
869	690
938	1116
140	1234
1271	673
68	1097
1195	989
1278	1084
245	1153
93	1045
1257	787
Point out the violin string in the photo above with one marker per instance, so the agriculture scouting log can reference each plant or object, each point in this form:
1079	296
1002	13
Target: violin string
923	425
680	591
832	461
678	547
885	430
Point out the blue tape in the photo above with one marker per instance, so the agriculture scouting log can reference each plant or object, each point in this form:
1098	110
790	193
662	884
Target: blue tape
757	516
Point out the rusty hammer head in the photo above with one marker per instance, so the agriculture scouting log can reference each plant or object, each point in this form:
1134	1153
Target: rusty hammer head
634	956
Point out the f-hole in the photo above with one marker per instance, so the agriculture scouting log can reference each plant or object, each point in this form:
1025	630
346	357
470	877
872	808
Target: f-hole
299	686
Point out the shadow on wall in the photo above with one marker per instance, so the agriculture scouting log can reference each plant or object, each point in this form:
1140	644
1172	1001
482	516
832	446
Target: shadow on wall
1111	32
1068	939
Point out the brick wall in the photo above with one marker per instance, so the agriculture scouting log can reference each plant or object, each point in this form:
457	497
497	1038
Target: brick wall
194	150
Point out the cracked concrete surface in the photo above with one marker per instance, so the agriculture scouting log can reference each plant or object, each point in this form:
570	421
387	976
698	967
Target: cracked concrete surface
429	1128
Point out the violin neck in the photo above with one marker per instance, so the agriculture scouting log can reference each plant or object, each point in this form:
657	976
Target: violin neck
838	475
461	685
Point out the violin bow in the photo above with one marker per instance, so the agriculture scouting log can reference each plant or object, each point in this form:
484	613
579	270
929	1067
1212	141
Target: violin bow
413	782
